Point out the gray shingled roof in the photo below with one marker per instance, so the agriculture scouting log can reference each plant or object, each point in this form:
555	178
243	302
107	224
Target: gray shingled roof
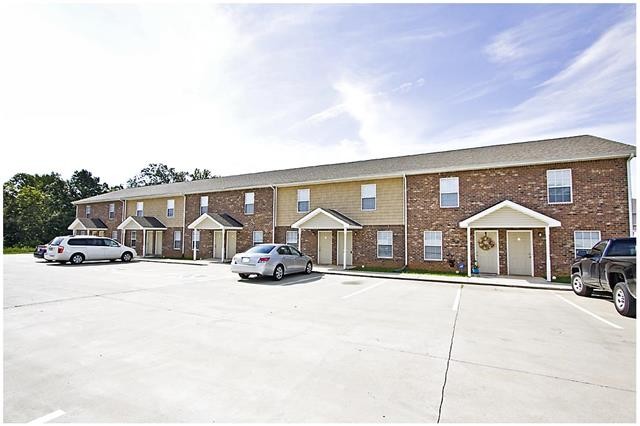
148	221
343	217
92	223
226	220
574	148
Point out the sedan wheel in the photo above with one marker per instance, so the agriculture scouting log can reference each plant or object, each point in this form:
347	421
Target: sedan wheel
309	268
278	273
127	257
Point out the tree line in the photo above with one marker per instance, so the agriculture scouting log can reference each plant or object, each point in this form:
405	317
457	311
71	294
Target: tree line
36	208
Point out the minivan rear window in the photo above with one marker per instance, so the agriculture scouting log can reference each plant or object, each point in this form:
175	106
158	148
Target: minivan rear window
56	241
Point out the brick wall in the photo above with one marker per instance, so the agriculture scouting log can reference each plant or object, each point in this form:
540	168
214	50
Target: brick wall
232	203
599	203
101	211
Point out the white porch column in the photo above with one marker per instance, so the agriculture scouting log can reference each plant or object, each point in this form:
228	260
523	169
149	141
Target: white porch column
124	240
144	242
468	251
193	242
299	239
223	244
547	245
344	248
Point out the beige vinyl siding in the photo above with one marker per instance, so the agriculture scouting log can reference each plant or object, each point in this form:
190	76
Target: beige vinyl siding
157	207
510	216
345	197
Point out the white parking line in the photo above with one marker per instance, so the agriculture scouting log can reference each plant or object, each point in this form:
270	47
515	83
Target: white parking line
588	312
456	301
48	417
362	291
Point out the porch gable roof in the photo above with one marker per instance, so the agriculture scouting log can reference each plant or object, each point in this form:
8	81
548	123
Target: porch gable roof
508	214
215	221
86	223
334	220
142	222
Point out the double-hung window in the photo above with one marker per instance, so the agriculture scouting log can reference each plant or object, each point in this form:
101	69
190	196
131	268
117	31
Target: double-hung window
177	240
87	211
303	200
258	237
133	239
114	235
584	240
432	245
249	198
140	208
292	238
385	244
368	197
559	186
204	204
112	211
449	192
171	206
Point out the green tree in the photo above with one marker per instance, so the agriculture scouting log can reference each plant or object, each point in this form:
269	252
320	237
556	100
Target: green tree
201	174
83	185
156	174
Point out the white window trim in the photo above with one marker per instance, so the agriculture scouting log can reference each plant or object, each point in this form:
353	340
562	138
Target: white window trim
112	211
298	200
87	210
378	245
286	238
424	244
171	208
457	193
570	186
375	198
253	237
174	240
139	204
249	204
116	237
575	246
134	238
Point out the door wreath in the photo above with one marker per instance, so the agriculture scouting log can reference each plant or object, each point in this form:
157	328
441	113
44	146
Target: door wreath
486	243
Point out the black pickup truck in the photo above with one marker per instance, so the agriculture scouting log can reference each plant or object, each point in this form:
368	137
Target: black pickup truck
611	266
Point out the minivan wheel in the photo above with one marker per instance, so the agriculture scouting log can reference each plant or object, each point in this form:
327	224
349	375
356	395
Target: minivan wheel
309	268
624	302
76	259
579	287
126	256
278	273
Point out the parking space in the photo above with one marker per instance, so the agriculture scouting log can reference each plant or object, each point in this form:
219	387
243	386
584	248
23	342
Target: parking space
150	342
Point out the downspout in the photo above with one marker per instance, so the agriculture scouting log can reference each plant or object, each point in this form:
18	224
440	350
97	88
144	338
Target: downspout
630	193
184	221
405	220
274	210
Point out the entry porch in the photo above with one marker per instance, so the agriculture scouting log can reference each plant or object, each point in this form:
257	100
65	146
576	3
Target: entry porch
152	234
223	232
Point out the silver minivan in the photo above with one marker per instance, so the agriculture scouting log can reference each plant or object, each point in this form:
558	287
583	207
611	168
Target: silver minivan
77	249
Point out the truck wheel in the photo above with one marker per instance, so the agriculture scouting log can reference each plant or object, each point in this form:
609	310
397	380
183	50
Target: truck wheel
578	286
624	302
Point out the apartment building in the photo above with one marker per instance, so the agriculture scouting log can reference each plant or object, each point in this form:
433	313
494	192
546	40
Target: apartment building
525	208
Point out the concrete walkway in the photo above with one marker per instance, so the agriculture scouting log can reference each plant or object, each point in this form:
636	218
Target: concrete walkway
503	280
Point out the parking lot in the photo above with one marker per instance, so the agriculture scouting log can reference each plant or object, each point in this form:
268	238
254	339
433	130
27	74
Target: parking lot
151	342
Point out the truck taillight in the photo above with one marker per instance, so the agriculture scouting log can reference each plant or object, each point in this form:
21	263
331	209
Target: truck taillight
60	249
263	260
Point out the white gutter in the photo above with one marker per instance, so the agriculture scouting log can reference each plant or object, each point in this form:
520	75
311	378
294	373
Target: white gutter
274	208
630	194
124	209
184	220
405	220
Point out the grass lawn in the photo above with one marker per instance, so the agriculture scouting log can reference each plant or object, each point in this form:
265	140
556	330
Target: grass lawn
17	250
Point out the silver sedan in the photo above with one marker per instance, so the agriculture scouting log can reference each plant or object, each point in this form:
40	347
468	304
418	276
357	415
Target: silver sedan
274	260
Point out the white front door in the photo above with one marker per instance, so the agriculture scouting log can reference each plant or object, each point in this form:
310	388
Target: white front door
325	241
217	245
487	259
340	253
519	253
158	243
231	244
148	250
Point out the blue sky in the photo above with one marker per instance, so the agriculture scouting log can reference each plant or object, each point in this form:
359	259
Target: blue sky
244	88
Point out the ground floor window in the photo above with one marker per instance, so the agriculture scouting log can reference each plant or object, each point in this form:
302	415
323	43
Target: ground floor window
432	245
292	238
196	239
258	237
101	234
584	240
114	235
385	244
177	240
133	238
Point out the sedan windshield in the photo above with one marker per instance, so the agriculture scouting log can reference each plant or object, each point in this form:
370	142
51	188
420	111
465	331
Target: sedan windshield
261	249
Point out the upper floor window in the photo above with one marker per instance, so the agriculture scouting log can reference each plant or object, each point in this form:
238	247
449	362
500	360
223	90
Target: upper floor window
368	197
87	211
303	200
449	192
584	240
204	204
292	238
432	245
559	186
258	237
171	204
112	211
140	208
385	244
249	198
